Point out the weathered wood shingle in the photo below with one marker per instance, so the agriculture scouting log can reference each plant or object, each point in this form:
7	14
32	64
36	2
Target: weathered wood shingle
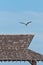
15	47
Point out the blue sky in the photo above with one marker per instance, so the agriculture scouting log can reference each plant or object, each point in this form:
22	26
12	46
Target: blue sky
14	11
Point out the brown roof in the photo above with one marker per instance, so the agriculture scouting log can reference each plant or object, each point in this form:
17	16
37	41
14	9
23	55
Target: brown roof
20	54
16	40
35	56
11	48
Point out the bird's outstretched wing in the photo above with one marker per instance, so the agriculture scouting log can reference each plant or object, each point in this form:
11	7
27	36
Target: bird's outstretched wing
21	22
29	22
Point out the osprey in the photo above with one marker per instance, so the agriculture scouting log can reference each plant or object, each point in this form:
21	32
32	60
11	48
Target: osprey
25	23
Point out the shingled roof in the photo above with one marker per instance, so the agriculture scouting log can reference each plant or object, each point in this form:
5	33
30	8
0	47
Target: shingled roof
16	40
15	48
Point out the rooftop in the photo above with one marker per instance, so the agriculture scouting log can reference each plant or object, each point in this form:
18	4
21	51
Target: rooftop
15	48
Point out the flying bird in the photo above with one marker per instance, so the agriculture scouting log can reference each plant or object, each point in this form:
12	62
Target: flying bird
25	23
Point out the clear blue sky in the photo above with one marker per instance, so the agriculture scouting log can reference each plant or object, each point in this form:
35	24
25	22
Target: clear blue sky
14	11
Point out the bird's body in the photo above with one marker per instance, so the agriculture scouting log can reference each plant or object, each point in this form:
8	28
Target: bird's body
25	23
